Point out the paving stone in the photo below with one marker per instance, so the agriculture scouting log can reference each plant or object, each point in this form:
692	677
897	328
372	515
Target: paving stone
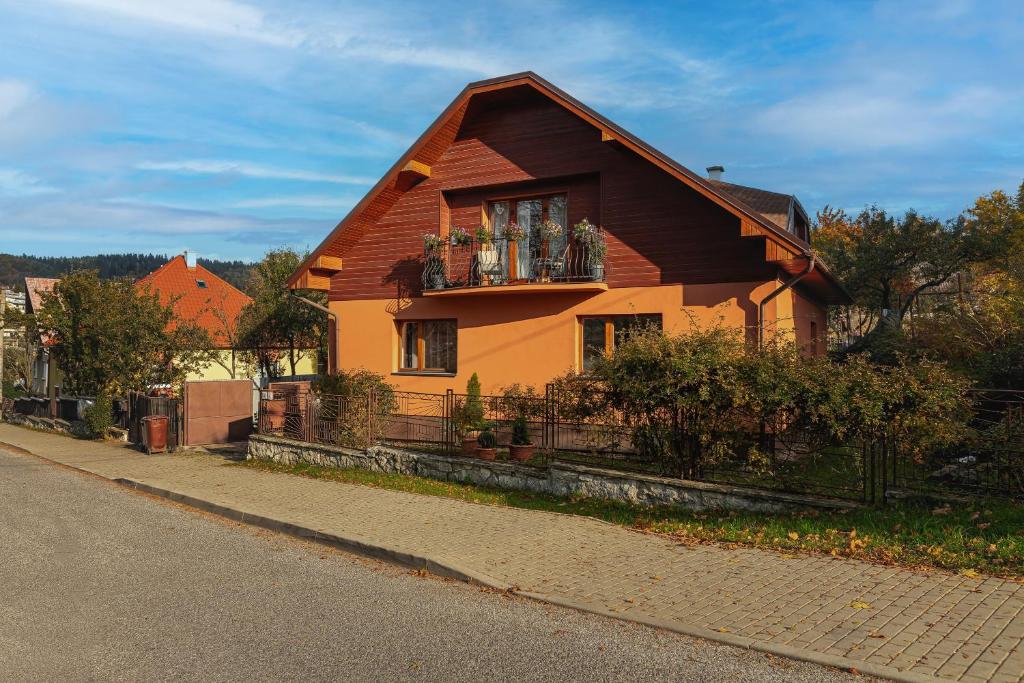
933	622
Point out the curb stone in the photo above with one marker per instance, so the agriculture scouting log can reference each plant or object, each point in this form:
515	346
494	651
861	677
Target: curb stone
440	566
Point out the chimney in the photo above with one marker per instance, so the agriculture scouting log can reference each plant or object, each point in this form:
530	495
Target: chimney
190	259
715	172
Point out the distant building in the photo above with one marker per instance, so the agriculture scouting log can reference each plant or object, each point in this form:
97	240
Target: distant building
46	376
200	296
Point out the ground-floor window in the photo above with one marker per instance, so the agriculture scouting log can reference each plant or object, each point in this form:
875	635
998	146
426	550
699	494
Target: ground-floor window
600	334
428	345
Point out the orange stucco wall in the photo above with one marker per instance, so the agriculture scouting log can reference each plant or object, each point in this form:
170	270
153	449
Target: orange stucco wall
530	338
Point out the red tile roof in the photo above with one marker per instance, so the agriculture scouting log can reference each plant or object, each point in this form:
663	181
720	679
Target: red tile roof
36	286
199	304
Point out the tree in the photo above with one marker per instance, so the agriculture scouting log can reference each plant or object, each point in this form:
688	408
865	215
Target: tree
275	323
886	262
109	338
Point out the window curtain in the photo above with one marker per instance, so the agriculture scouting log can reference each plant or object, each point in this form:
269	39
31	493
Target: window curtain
499	219
556	212
529	215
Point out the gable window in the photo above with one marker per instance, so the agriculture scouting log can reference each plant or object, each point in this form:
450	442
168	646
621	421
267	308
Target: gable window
600	334
428	346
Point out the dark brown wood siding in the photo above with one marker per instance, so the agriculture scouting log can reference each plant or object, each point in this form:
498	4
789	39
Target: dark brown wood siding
659	231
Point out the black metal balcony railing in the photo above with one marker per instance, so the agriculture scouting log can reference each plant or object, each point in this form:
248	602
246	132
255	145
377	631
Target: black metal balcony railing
509	262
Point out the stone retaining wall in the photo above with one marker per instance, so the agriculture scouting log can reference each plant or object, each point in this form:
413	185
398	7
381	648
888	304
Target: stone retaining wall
560	479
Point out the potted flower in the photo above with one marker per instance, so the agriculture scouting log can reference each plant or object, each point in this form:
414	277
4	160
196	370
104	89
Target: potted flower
514	232
487	445
521	448
433	263
591	238
549	230
460	237
485	237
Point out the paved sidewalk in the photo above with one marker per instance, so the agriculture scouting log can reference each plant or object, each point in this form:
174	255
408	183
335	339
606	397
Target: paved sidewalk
917	624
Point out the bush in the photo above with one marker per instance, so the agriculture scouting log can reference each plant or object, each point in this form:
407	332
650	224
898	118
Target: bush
345	398
522	401
520	432
468	414
487	439
701	398
99	417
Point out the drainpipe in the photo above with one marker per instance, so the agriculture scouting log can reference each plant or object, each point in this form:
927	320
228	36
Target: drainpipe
332	332
777	292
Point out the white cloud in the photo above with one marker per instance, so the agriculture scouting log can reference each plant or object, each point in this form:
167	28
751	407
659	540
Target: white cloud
15	183
13	96
878	116
299	201
215	167
218	17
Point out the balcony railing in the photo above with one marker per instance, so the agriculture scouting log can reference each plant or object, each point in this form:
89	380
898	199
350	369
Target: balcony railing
510	262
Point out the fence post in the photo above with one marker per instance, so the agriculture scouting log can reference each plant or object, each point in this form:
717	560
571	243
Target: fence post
448	407
547	433
369	418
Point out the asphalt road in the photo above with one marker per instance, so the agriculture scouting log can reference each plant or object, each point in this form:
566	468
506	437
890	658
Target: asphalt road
100	583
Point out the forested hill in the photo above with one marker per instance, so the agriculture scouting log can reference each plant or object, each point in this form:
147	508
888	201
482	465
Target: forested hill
14	269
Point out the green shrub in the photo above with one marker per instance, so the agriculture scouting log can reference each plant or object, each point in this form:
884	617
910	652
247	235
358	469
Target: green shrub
472	415
698	399
487	439
522	401
99	417
345	399
520	431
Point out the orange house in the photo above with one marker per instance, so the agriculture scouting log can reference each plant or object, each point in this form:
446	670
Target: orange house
468	255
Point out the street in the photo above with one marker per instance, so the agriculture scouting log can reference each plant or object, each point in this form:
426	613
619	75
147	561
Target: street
100	583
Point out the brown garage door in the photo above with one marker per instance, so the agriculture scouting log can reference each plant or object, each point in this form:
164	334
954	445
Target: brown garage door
218	411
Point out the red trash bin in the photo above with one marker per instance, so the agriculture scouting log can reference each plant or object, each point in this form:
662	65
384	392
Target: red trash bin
156	433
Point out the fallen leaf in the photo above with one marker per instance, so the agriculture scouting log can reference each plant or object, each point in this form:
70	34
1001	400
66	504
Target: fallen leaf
722	629
860	604
944	510
970	573
793	535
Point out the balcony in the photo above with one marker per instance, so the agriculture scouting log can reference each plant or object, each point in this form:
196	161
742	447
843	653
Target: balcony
504	266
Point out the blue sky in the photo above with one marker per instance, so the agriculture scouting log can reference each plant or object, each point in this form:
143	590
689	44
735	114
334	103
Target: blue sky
231	126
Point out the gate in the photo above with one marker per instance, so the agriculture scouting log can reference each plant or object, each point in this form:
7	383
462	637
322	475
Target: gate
219	411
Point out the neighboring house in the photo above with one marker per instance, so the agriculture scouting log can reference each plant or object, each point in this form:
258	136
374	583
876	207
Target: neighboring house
46	376
682	250
214	305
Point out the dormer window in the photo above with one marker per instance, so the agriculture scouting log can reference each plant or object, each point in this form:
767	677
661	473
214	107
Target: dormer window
201	284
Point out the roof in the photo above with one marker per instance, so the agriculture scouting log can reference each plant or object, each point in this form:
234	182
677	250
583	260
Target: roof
197	295
791	252
36	287
774	206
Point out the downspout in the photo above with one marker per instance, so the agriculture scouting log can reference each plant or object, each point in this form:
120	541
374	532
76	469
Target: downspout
332	332
764	302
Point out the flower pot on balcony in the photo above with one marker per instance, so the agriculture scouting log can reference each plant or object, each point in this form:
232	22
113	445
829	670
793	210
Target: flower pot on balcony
597	271
522	452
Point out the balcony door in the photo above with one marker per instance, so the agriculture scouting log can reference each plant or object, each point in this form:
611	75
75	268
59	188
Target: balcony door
529	213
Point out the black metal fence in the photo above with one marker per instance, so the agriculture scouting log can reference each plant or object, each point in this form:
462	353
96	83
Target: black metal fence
569	429
504	261
988	461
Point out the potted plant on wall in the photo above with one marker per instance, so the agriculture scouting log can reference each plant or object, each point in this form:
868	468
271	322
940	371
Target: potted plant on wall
433	266
487	444
460	237
591	238
521	403
469	416
521	447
